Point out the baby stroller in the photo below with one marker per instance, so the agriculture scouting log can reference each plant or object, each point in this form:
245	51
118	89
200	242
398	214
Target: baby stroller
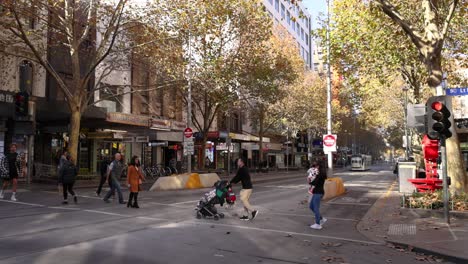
222	193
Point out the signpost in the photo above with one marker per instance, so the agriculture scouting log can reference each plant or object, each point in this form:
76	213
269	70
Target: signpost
189	145
329	143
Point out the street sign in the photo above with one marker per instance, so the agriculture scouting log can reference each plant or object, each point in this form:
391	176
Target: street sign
329	143
188	132
457	91
189	148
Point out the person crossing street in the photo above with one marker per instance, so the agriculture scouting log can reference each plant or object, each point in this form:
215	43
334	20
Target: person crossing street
113	175
11	168
243	176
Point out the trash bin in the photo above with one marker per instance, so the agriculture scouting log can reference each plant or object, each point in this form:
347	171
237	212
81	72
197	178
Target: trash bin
406	170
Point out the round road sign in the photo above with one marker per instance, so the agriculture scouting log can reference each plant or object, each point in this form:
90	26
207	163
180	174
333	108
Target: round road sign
188	133
329	140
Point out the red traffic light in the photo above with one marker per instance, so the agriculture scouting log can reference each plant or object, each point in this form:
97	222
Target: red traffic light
438	106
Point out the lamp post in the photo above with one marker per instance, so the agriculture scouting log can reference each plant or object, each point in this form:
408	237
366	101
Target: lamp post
329	114
407	148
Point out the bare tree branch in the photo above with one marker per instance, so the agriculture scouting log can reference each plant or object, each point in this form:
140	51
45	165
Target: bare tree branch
449	17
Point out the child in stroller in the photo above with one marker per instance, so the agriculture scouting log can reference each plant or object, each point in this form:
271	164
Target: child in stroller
221	193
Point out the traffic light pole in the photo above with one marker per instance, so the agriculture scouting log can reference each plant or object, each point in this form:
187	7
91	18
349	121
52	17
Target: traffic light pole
443	167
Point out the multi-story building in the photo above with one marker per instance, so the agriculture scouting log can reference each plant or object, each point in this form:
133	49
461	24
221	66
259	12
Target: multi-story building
296	19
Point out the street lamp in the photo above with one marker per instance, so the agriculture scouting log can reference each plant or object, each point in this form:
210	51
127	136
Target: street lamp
329	109
407	147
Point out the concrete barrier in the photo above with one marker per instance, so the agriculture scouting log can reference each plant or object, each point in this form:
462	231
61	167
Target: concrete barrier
208	179
333	187
185	181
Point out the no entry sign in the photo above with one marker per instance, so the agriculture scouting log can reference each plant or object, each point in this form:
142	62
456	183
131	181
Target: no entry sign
188	132
329	143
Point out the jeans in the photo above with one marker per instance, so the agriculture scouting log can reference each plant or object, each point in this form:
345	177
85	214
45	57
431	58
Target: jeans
67	188
315	207
115	186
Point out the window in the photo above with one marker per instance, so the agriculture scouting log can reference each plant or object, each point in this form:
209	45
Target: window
283	11
288	17
302	34
293	25
112	97
271	2
26	76
298	29
277	5
307	39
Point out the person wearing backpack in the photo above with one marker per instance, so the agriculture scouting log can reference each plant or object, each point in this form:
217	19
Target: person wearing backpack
11	170
67	176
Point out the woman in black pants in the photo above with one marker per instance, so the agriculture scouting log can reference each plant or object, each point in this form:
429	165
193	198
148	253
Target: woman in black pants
67	176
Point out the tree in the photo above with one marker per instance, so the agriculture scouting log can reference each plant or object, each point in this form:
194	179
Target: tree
225	41
428	29
269	81
72	27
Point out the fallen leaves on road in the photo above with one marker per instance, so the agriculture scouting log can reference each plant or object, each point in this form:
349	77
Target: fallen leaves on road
331	259
288	235
228	233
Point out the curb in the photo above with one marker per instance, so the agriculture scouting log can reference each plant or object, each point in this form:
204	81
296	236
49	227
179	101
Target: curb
426	251
425	213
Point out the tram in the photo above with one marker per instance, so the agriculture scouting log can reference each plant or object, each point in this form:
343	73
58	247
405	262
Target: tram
361	162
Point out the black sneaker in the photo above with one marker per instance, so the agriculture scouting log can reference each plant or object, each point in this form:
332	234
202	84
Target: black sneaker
75	199
244	218
254	214
65	202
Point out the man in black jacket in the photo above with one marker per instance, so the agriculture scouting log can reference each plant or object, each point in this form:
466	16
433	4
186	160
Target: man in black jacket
13	167
243	176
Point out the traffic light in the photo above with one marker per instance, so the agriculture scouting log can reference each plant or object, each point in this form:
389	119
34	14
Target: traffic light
21	103
438	123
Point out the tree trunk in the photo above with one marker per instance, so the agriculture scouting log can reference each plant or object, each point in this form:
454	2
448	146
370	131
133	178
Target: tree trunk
455	166
74	133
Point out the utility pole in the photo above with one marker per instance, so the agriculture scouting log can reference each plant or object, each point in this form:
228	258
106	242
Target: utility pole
407	147
329	114
443	167
189	99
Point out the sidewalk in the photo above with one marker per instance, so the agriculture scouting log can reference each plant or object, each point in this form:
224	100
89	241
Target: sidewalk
415	229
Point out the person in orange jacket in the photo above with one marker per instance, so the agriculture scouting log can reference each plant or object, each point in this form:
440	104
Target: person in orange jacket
134	179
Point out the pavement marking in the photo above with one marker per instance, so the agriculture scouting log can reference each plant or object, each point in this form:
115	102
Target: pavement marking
106	213
193	201
64	208
310	216
276	231
453	233
31	204
170	205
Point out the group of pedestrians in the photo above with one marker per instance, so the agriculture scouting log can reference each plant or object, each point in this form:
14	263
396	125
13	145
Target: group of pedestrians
112	175
11	167
316	177
110	172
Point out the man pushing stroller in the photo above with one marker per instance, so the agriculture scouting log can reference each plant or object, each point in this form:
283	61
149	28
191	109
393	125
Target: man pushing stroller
243	176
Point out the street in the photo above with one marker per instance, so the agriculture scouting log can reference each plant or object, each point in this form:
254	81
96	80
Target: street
38	229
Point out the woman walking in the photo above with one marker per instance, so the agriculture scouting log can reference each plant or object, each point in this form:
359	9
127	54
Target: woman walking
317	195
67	176
134	179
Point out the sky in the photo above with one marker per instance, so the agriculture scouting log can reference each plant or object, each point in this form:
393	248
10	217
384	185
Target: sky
314	8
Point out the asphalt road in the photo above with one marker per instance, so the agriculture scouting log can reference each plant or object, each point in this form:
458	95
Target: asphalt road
38	229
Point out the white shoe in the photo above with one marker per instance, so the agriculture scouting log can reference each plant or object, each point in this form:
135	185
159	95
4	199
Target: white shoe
316	226
13	198
323	221
1	194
